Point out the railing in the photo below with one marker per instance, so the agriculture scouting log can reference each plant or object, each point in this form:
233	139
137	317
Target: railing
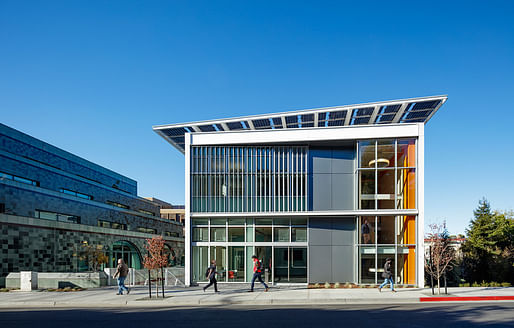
173	276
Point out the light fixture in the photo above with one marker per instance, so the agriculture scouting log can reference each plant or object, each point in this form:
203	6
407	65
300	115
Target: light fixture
381	162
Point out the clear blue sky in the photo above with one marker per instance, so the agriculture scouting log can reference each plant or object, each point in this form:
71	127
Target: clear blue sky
92	77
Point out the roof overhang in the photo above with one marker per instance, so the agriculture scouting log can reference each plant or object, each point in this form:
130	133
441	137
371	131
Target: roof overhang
412	110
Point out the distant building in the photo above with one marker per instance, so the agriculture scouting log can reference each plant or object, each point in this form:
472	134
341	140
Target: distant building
169	211
53	204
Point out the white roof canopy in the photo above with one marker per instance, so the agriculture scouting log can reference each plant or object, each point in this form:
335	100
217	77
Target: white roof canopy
412	110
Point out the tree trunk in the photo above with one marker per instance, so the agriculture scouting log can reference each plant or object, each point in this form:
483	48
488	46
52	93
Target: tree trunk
438	286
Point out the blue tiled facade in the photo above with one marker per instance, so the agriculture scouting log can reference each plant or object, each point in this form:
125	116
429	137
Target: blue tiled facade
42	185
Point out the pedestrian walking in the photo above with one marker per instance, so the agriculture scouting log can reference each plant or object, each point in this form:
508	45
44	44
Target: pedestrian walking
387	275
121	274
211	275
258	269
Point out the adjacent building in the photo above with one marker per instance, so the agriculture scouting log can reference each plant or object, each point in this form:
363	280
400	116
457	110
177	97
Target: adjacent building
321	195
55	205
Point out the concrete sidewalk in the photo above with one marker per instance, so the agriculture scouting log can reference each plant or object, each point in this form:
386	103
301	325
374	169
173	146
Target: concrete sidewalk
194	296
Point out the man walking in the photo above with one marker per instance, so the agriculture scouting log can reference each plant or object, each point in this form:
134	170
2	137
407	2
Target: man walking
121	275
257	273
387	275
211	275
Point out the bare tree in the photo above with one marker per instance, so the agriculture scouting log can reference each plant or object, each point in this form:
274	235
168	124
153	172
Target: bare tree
441	253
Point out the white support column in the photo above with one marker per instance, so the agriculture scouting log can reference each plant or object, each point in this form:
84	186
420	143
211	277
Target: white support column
420	265
187	202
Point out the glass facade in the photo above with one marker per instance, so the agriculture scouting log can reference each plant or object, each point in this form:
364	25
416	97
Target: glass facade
274	179
280	243
386	174
248	179
382	237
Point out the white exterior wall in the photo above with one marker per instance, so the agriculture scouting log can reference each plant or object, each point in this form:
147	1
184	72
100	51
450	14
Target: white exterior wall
270	137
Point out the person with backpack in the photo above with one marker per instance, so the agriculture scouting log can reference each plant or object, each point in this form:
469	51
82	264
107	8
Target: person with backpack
211	275
387	275
258	269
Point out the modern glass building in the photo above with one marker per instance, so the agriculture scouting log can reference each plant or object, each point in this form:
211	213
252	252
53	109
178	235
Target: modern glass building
321	195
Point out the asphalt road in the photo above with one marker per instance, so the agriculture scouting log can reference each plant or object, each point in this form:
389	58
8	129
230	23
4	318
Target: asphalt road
412	315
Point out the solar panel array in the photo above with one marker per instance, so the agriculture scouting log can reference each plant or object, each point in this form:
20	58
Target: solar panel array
391	112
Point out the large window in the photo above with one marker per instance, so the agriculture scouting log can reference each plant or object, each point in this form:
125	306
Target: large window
382	237
387	174
280	243
249	179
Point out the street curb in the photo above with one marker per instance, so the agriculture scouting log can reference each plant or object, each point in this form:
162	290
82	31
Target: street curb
466	298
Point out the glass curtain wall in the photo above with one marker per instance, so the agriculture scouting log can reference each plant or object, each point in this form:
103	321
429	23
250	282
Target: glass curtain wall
387	174
280	243
382	237
248	179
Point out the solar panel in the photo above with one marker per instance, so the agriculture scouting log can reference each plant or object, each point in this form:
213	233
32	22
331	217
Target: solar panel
180	139
426	105
277	122
235	126
362	111
337	115
174	132
322	119
414	115
206	128
415	110
360	120
385	118
292	121
262	124
307	120
390	109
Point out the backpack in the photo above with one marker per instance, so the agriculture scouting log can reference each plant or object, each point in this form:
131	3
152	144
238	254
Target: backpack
260	266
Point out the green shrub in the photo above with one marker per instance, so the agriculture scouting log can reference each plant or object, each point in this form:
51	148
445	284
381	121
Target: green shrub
506	284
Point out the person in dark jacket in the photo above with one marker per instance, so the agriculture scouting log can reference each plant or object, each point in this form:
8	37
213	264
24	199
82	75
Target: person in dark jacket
257	273
121	274
387	275
211	275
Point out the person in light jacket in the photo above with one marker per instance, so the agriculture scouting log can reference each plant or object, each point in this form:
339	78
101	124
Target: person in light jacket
121	274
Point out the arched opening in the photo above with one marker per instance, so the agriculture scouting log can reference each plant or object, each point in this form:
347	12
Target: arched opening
128	252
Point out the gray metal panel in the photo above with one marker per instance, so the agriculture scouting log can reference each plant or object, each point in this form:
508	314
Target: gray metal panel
320	264
321	192
343	231
342	160
342	192
321	160
320	231
342	264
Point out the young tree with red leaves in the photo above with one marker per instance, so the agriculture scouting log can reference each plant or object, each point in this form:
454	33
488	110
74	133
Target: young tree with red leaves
156	258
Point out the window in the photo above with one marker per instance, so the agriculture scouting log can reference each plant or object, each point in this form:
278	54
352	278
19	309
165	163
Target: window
117	204
387	174
75	193
16	178
104	224
146	212
2	208
120	226
56	216
146	230
171	234
200	234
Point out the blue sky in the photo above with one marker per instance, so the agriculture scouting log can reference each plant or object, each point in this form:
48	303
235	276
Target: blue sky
92	77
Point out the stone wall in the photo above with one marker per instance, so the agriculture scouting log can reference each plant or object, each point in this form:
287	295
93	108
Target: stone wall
29	244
